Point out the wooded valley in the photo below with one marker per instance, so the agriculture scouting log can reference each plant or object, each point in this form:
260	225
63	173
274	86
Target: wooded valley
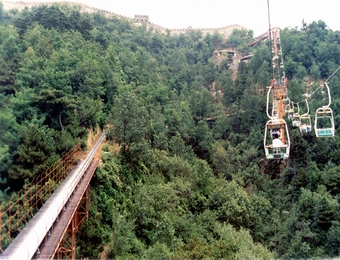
172	184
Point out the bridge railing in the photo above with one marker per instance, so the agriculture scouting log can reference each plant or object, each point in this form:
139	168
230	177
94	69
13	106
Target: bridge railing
21	207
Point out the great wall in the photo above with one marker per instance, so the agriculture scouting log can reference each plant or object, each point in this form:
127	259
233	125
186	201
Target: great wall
137	20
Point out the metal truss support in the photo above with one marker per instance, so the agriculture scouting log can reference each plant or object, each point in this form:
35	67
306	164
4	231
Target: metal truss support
67	247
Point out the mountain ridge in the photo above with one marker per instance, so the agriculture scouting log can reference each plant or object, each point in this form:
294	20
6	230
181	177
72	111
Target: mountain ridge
225	31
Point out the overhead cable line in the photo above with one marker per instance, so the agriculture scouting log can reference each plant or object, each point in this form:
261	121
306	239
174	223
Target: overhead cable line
326	81
270	37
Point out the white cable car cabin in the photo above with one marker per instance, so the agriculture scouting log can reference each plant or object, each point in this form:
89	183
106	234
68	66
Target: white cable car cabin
290	114
324	122
306	124
295	117
296	120
288	109
276	139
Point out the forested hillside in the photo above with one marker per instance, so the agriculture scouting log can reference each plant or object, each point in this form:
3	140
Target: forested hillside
172	183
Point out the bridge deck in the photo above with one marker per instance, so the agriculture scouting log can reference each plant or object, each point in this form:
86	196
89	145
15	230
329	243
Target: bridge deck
50	246
41	237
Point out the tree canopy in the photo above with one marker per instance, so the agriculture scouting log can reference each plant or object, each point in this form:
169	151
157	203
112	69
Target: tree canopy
183	173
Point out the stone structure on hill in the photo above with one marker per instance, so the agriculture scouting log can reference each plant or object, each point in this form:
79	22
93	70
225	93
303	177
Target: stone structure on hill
141	19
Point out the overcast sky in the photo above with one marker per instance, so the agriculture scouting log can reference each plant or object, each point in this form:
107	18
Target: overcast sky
251	14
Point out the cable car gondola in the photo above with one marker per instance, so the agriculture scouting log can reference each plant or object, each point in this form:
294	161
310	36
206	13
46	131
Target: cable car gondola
305	122
324	120
288	108
296	120
295	115
276	139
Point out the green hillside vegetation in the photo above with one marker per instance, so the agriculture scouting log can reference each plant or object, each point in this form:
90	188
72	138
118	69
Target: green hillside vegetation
180	187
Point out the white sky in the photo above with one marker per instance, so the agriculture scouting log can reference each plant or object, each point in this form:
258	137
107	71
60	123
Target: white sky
251	14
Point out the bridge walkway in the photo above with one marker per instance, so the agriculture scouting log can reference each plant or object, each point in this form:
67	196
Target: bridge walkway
51	233
50	246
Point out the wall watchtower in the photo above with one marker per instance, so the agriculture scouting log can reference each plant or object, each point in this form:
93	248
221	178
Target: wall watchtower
141	18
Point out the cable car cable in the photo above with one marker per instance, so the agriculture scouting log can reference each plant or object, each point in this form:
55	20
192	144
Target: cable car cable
326	81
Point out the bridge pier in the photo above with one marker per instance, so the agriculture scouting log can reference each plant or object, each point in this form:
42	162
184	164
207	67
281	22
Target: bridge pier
67	247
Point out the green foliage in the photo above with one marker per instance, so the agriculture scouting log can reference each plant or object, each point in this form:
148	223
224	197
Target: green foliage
129	120
231	244
154	207
157	251
90	238
35	154
240	39
231	203
181	187
125	243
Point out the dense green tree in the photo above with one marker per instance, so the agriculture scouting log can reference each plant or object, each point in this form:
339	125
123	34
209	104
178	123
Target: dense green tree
9	57
1	12
155	208
54	104
231	244
36	152
130	120
8	133
90	238
125	243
